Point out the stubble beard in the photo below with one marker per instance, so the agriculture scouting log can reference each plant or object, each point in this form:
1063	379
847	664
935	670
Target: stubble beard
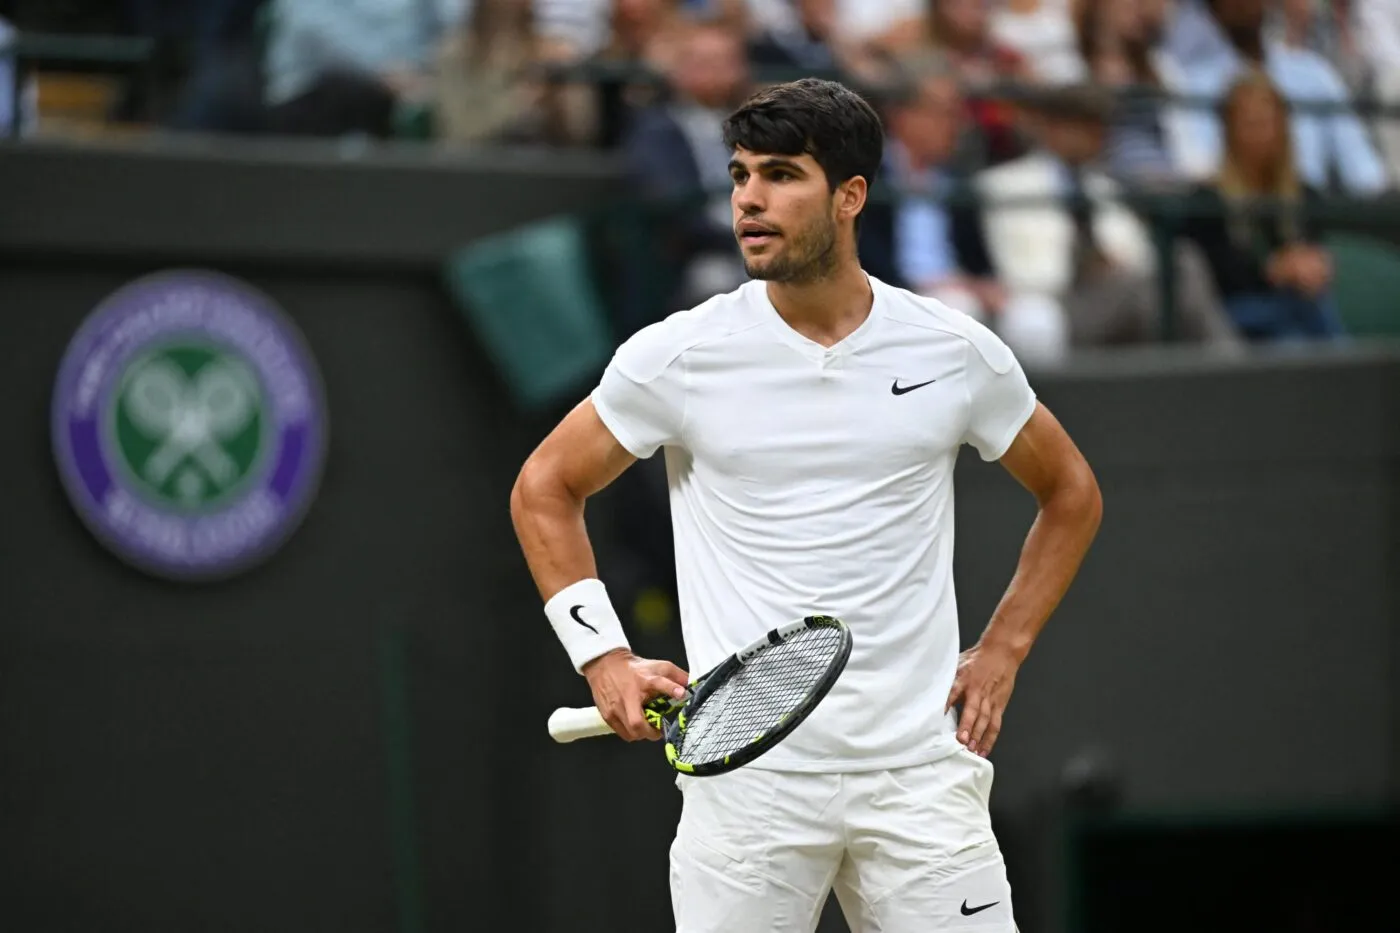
809	257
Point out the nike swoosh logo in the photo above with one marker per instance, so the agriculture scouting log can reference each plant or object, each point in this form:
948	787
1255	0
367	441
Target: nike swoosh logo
573	611
969	911
898	389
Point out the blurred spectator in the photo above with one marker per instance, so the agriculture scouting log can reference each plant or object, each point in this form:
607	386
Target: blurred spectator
884	27
1324	27
344	66
675	152
1265	258
1083	255
485	89
816	36
1192	35
1042	33
1120	41
223	91
13	94
1377	28
636	34
911	239
958	29
1324	142
805	40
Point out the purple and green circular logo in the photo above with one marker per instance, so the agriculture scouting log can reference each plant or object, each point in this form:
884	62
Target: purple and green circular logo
189	424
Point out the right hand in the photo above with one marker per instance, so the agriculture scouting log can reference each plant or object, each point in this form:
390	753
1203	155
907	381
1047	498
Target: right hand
623	683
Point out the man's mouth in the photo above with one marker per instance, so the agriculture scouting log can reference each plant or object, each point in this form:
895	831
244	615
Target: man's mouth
752	234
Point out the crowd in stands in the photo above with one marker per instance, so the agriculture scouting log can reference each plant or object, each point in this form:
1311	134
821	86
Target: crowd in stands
1246	110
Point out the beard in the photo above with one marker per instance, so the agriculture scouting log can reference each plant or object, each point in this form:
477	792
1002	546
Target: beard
807	257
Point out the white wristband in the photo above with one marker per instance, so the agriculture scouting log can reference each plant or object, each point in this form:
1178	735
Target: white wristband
585	621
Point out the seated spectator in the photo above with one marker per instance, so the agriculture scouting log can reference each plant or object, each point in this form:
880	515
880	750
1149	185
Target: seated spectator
19	96
628	45
910	238
853	37
339	67
675	153
1120	41
1268	267
1322	26
806	40
485	90
1323	143
1042	32
1377	28
958	29
1191	36
1082	254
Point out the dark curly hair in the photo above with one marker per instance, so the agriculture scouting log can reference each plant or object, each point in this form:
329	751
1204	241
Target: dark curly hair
824	119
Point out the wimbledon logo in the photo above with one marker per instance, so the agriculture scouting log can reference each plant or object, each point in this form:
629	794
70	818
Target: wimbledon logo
189	425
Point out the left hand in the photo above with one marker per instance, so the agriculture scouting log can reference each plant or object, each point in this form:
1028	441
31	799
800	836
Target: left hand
986	676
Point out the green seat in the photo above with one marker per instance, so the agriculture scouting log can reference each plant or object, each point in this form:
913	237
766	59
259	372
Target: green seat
1366	284
530	297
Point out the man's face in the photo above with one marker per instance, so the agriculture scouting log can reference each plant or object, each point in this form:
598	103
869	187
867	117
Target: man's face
784	216
710	67
929	126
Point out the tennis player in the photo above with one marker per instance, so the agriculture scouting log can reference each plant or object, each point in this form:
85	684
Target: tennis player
810	421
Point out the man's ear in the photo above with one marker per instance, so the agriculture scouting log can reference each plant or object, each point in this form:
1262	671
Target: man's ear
850	197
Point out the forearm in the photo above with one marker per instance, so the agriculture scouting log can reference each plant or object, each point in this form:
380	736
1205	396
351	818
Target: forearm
1054	549
549	523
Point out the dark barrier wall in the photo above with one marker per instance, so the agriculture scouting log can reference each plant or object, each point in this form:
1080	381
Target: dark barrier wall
351	736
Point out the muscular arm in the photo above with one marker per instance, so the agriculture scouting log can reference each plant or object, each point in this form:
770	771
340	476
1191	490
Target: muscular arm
1045	461
579	458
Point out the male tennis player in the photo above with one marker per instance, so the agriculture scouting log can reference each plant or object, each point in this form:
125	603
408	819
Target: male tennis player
811	420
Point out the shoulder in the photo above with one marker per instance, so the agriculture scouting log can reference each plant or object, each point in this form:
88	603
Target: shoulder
657	347
936	319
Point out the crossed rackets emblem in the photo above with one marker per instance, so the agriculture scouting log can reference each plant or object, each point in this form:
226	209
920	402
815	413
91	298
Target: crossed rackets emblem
190	416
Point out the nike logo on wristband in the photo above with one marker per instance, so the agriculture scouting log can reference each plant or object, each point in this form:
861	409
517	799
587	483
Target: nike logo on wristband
573	612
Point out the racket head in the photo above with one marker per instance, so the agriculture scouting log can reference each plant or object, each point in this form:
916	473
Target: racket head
754	699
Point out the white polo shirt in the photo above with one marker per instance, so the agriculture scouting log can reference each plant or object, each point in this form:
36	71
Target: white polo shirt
806	479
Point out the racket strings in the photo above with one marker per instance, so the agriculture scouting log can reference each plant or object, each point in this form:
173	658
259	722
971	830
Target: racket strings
758	697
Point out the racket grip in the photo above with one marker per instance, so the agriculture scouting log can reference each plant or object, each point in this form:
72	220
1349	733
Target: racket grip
567	724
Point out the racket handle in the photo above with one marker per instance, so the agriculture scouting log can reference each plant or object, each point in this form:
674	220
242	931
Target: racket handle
567	724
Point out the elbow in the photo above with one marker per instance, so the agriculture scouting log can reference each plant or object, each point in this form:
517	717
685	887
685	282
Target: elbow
528	490
1087	500
538	488
1077	501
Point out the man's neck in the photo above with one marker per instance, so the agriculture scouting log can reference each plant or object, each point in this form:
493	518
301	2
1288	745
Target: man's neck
829	309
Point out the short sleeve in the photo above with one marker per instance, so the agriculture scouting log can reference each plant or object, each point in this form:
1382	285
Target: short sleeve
641	396
1000	398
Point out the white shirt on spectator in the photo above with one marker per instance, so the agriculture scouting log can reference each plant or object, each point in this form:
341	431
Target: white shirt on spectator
856	20
1045	38
309	37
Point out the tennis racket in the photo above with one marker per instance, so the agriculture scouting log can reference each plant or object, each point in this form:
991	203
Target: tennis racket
744	706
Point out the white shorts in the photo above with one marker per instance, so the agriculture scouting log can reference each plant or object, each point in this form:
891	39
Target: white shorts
907	851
